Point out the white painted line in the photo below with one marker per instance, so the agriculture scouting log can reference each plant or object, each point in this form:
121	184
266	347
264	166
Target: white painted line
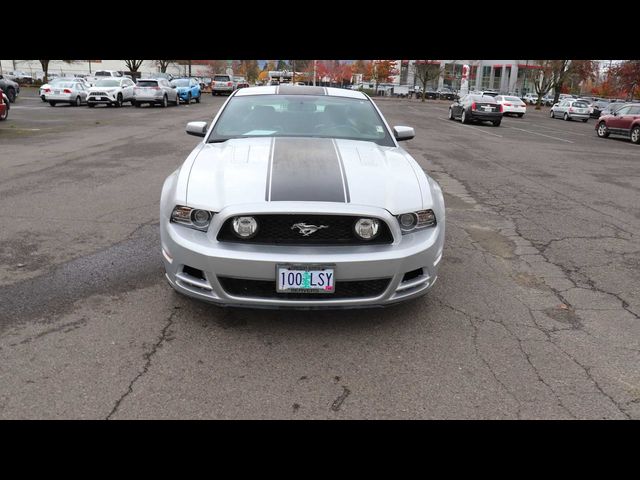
542	135
469	126
554	129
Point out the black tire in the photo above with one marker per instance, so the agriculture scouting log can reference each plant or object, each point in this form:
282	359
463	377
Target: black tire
451	114
118	103
177	100
602	130
463	117
189	98
551	114
165	102
635	135
566	117
11	94
43	99
53	104
77	103
496	123
198	97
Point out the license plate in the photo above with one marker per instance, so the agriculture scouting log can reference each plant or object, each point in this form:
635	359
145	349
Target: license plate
487	109
305	279
57	92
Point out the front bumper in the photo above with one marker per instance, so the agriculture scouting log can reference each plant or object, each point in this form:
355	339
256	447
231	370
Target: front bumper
182	247
101	99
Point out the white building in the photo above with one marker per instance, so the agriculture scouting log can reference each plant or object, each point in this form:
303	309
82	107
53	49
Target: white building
34	68
502	75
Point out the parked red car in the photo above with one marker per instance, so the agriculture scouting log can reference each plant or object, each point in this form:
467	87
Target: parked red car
625	122
4	106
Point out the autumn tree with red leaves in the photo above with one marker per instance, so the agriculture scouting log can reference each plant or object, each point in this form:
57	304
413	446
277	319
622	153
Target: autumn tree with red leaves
382	71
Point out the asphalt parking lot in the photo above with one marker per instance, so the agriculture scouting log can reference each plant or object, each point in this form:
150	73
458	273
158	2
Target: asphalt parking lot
536	313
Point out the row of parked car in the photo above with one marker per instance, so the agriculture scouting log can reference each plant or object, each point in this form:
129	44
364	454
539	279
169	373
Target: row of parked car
617	118
115	91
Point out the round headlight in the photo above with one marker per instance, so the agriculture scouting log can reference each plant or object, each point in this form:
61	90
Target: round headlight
408	221
245	227
200	218
367	228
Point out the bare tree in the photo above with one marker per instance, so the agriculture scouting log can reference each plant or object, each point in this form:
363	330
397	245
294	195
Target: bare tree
545	80
45	69
133	65
163	64
425	71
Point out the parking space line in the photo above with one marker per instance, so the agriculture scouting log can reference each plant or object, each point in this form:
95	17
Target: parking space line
556	129
541	134
469	126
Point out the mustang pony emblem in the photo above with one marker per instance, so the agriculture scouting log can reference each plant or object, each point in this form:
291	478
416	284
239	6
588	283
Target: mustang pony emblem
307	230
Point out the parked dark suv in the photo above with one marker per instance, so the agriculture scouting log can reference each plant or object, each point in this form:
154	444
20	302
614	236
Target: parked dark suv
483	108
625	122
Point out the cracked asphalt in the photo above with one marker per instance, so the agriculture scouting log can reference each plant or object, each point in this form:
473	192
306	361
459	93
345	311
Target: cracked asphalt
535	314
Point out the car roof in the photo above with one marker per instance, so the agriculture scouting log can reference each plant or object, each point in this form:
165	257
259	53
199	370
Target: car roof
300	90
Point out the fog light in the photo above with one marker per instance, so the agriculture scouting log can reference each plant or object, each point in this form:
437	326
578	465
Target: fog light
245	227
367	228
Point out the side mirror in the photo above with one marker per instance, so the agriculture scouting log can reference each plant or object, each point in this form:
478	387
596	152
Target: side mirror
403	133
198	129
173	86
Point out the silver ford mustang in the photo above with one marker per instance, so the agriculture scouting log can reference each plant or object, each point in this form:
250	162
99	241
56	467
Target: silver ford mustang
300	197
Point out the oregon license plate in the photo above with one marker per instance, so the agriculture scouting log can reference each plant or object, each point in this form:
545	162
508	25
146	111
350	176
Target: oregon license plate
305	279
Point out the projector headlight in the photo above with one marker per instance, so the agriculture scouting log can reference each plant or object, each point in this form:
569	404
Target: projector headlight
410	222
192	217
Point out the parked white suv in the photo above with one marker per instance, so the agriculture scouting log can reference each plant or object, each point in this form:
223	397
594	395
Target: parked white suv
222	84
111	91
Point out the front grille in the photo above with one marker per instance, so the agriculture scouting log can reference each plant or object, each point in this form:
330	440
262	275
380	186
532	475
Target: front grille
240	287
277	229
98	94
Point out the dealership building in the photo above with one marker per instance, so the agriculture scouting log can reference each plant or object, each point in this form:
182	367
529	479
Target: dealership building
505	76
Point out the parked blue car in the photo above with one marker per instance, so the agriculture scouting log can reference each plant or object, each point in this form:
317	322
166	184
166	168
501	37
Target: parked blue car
188	89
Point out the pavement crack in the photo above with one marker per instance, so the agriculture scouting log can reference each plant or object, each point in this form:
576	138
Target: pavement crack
147	358
337	403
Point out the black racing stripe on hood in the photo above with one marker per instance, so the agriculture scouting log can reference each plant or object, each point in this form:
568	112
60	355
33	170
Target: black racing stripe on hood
306	170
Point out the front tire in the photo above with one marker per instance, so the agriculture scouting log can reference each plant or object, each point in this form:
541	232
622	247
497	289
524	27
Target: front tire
635	134
463	117
198	98
118	103
11	95
189	98
566	117
451	114
551	114
603	131
165	102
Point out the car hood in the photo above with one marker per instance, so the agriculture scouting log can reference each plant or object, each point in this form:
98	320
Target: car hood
103	89
259	170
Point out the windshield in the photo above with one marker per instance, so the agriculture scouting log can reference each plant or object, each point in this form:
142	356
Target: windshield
108	83
180	83
301	116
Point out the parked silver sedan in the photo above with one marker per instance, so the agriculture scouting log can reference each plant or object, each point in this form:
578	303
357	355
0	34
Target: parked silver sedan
155	91
301	197
570	110
73	93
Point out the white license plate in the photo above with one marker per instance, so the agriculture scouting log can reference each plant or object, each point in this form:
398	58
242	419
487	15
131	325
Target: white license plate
487	109
304	279
57	92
